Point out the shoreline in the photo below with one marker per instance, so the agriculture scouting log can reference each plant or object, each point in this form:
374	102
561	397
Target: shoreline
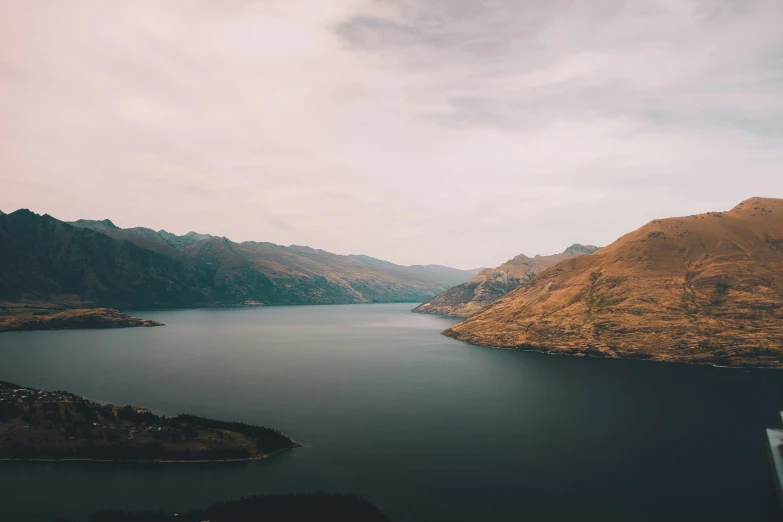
127	419
73	319
243	306
68	328
179	308
439	314
247	459
610	358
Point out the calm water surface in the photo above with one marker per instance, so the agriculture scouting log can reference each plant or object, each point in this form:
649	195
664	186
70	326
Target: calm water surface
426	427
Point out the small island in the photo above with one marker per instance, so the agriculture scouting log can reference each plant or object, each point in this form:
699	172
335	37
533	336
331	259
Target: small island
72	319
42	425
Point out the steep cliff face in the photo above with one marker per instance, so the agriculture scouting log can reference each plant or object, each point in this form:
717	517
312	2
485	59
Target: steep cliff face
493	283
705	288
50	262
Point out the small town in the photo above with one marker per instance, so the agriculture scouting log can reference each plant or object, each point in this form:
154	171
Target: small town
26	401
57	425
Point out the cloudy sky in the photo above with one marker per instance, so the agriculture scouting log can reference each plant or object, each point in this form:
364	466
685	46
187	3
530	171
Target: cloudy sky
459	132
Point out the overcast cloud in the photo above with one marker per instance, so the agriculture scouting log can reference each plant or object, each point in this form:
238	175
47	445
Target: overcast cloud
453	132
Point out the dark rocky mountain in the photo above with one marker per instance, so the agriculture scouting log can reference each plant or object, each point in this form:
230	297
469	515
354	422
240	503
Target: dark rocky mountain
703	289
94	223
491	284
48	262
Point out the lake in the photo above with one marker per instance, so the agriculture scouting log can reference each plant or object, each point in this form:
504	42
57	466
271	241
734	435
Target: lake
425	427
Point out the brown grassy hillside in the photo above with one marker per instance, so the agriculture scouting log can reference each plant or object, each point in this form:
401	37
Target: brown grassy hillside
705	289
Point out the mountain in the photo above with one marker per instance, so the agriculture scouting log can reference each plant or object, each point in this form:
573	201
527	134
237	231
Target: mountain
94	223
491	284
703	289
452	276
49	262
444	274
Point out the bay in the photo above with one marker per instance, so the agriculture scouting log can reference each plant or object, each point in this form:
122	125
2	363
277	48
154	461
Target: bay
425	427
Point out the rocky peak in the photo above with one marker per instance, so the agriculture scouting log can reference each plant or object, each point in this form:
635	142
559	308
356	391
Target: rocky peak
579	249
23	212
94	223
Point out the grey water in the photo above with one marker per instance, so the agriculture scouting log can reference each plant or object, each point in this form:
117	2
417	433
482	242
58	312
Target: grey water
425	427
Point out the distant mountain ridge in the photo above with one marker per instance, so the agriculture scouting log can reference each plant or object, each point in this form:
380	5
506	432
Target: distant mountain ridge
442	273
706	288
491	284
95	263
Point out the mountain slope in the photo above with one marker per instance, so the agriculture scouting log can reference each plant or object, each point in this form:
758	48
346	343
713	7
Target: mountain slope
703	289
303	274
444	274
47	261
493	283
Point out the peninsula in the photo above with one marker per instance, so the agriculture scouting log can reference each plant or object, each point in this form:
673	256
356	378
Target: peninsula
71	319
42	425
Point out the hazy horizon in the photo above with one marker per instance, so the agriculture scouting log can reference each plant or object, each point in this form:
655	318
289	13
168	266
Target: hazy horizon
454	133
